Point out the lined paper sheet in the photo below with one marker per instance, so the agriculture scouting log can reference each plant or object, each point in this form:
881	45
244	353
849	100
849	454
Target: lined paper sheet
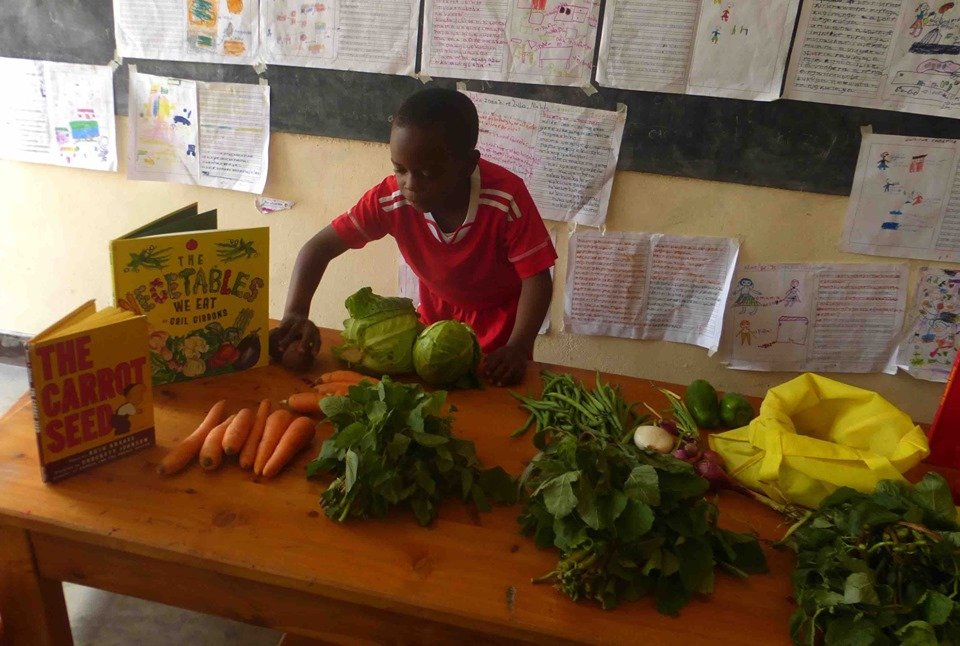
58	113
727	49
820	317
928	349
357	35
566	155
888	54
550	42
209	31
905	199
648	286
208	134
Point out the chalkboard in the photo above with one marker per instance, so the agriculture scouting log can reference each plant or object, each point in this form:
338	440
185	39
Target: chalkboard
785	144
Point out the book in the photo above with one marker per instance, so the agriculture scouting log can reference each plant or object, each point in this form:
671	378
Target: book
90	385
203	291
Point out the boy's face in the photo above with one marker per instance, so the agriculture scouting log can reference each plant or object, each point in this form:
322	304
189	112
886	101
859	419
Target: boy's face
428	173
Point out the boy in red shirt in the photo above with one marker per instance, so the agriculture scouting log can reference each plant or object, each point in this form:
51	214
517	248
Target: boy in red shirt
467	227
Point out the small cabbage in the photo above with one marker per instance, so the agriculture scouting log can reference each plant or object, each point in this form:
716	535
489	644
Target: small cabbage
447	354
379	335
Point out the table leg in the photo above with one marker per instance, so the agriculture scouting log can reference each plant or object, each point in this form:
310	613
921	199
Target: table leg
32	607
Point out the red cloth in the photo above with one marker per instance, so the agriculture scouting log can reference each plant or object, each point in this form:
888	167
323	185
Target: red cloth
475	276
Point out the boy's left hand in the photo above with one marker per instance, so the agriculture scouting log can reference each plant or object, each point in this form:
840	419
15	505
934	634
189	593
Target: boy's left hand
505	366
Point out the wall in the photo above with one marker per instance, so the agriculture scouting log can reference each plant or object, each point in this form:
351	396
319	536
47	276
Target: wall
57	223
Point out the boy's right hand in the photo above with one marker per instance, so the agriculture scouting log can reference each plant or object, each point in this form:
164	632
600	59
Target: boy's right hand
294	329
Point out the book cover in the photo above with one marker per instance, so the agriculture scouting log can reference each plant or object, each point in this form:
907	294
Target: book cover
203	291
91	390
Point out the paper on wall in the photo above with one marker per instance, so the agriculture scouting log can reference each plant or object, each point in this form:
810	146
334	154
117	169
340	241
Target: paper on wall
928	349
363	36
725	48
271	205
648	286
888	54
170	141
905	199
550	42
566	155
58	113
819	317
208	31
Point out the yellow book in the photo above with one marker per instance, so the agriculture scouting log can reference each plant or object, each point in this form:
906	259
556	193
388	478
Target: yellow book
203	291
90	384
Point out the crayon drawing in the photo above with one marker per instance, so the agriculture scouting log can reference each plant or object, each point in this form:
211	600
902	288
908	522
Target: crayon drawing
929	347
166	128
551	38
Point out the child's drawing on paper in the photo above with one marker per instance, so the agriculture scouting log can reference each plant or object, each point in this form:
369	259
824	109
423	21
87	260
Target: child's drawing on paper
166	127
745	334
936	31
929	348
790	329
552	38
884	162
792	296
223	27
303	28
746	297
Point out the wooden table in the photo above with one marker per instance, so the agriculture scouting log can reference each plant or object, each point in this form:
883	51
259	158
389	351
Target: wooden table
265	554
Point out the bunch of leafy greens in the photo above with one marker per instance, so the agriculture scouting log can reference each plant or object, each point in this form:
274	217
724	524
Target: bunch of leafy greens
380	333
391	446
879	569
447	354
627	523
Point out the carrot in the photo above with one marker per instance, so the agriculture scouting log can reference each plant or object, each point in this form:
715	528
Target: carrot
249	452
211	453
179	456
332	388
345	376
276	424
236	434
307	403
297	436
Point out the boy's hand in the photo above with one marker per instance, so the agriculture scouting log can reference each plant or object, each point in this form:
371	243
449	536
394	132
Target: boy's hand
505	366
291	330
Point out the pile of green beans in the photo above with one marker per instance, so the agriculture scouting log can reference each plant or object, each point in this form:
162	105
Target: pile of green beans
566	405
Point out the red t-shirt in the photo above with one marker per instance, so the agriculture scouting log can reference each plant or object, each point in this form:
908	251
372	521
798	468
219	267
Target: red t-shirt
472	274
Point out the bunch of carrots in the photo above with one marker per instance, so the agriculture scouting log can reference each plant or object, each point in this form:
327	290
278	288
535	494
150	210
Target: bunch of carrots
265	440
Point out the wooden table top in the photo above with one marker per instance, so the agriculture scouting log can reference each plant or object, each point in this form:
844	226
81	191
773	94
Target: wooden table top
467	569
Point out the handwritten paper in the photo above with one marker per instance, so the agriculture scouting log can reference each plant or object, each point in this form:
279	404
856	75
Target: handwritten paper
648	286
827	317
725	48
549	42
208	31
357	35
268	205
170	141
905	199
889	54
566	155
929	347
58	113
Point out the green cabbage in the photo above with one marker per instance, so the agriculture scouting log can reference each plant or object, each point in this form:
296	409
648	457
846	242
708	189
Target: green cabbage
447	354
379	335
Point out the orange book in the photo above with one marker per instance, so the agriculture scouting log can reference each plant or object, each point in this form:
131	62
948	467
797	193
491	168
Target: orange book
90	384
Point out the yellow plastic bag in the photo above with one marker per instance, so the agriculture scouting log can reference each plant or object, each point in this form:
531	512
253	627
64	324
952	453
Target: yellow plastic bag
814	435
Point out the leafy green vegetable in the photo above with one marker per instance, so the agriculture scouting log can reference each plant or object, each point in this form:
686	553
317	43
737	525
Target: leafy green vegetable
447	354
881	568
392	445
379	334
627	523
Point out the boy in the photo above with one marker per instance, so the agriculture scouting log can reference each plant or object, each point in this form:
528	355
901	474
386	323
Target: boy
467	227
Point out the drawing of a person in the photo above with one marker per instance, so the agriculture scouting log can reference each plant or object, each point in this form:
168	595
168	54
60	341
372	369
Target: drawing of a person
887	185
715	35
747	297
745	332
884	162
917	199
923	13
793	294
725	15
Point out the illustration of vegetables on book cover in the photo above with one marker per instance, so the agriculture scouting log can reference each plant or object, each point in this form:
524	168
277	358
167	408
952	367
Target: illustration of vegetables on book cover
203	291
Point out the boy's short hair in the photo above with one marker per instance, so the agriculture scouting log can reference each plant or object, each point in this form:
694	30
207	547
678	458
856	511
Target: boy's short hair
450	110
